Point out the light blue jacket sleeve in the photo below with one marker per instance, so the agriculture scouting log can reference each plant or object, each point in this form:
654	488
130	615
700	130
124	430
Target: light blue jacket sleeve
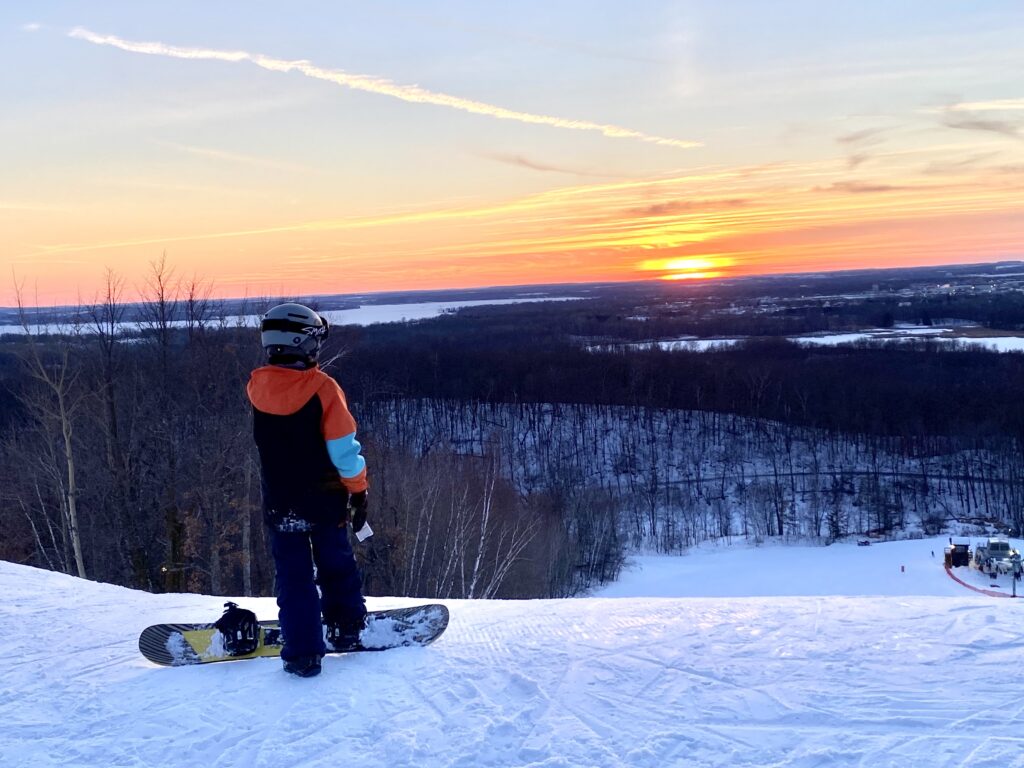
344	453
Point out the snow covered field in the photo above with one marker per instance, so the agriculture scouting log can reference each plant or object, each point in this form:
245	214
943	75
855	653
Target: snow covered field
777	656
898	568
901	333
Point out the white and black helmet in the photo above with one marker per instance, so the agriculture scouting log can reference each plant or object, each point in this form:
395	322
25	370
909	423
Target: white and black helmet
293	331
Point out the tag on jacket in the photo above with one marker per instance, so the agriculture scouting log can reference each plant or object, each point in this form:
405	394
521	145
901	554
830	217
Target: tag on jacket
364	533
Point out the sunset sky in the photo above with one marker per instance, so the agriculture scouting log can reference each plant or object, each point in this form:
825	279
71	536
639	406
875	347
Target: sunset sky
344	147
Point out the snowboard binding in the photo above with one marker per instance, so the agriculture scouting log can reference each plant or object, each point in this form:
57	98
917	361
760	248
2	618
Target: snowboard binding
240	630
345	634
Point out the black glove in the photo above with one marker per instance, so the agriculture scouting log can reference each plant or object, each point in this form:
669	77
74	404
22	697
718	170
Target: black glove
357	504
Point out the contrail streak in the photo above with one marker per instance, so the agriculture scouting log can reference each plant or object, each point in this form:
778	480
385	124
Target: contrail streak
411	93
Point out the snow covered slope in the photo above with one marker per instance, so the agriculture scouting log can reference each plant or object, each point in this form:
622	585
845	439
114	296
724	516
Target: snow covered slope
892	568
925	678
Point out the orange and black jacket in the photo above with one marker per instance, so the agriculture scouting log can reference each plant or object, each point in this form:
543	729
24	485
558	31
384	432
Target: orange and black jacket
307	443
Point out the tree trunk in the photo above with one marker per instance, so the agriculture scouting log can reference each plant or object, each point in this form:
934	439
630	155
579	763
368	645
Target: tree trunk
247	531
76	537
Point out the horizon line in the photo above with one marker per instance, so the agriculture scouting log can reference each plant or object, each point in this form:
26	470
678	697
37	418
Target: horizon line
653	281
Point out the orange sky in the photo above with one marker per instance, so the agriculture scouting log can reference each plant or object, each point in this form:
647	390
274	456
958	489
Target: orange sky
718	222
269	175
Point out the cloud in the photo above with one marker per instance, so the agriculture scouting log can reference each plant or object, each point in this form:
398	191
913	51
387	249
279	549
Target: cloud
32	27
866	137
859	187
857	159
410	93
995	105
674	207
522	161
1001	127
860	141
960	115
945	167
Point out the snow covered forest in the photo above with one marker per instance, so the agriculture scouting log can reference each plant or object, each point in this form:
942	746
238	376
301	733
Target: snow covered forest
693	476
508	456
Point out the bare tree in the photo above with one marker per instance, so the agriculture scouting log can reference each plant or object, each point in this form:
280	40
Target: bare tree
160	304
58	399
199	309
160	309
106	315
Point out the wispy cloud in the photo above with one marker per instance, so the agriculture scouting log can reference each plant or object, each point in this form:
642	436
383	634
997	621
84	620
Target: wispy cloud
963	116
31	27
859	187
522	161
236	157
859	142
995	105
410	93
676	207
857	159
1001	127
866	137
947	167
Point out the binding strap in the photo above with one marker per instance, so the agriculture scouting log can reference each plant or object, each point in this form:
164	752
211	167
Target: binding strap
240	630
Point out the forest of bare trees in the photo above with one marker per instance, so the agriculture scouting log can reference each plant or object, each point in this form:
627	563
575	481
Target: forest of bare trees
675	478
128	457
506	460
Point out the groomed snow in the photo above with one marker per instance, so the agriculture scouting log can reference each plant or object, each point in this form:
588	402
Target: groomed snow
893	568
842	660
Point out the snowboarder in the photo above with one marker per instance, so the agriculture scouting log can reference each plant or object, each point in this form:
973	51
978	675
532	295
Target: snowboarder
313	481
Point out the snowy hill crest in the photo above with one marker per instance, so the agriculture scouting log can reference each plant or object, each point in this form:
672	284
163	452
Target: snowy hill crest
800	678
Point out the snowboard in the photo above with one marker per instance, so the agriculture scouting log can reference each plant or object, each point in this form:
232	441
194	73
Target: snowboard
176	645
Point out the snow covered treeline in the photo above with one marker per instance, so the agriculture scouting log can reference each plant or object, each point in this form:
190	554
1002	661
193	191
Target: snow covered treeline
506	460
470	499
669	479
131	460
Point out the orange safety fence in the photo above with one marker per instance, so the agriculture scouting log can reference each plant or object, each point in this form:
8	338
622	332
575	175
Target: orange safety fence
963	583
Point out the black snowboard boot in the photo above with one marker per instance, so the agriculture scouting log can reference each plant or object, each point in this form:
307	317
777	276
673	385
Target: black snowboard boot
345	634
303	666
239	629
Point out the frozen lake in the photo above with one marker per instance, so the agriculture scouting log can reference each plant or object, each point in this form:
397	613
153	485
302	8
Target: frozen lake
368	314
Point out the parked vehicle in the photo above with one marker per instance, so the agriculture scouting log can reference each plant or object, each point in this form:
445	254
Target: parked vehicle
996	556
959	555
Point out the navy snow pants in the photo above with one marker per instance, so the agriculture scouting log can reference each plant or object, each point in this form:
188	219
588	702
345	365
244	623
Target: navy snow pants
340	598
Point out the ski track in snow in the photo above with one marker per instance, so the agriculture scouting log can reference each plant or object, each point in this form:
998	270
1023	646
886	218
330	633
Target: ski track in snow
926	678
